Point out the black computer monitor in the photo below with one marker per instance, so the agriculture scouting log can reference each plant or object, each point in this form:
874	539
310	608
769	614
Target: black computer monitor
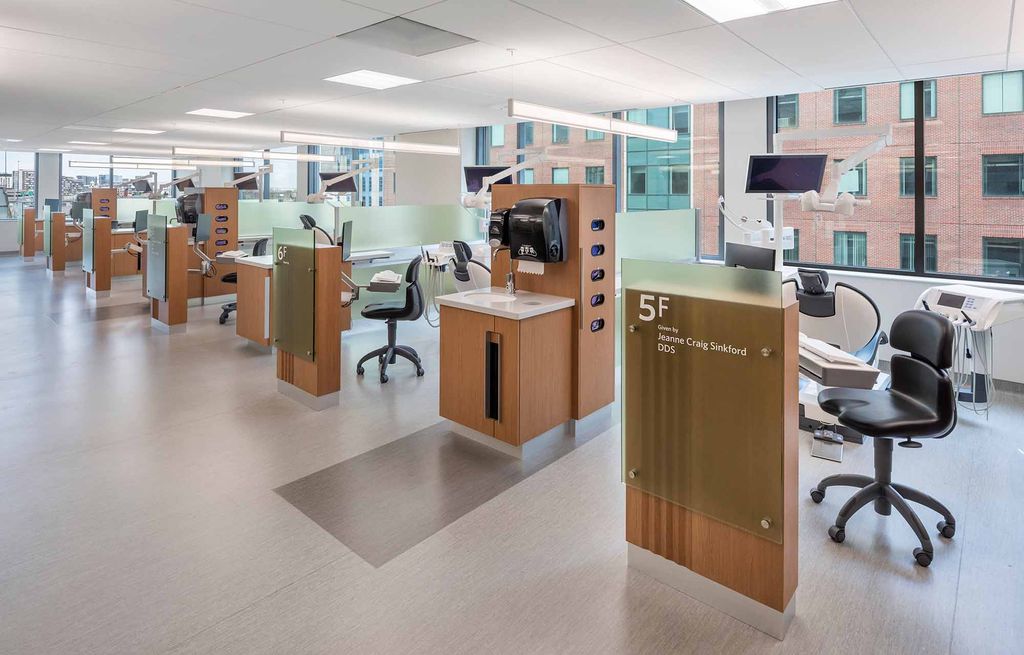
346	240
203	228
142	186
53	204
739	255
348	185
76	210
141	220
248	185
187	183
475	177
785	173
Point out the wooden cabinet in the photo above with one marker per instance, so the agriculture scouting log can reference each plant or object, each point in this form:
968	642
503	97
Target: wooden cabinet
508	379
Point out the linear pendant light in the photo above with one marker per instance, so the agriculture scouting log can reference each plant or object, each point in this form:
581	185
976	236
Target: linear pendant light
132	167
530	112
252	154
369	144
215	163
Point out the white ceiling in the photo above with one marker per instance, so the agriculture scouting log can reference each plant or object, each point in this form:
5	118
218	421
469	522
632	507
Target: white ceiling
73	70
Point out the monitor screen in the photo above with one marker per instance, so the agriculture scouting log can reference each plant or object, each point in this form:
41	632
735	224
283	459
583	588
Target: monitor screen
475	177
739	255
53	204
203	224
141	220
185	184
951	300
785	173
248	185
76	210
346	240
142	186
347	185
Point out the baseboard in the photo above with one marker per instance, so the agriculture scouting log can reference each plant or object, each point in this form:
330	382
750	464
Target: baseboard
160	326
316	403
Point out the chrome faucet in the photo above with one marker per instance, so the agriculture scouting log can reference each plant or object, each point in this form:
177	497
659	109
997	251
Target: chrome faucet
510	277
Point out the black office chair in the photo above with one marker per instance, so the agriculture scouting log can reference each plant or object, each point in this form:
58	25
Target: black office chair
319	234
260	248
920	404
392	312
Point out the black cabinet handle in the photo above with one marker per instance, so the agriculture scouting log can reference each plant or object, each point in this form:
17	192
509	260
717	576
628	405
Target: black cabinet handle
492	375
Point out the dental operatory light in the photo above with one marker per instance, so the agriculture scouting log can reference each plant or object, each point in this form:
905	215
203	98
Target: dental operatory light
137	130
88	143
252	154
371	79
303	138
723	11
218	113
528	111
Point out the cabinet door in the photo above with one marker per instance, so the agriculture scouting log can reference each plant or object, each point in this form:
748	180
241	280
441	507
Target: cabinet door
463	368
506	335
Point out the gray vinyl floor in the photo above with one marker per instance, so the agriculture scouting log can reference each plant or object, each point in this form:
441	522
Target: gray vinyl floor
144	509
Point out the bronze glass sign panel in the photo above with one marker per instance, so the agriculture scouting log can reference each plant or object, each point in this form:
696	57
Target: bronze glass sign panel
156	257
293	285
88	256
702	413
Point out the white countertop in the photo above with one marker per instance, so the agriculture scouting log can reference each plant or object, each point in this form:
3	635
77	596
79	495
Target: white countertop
496	302
261	261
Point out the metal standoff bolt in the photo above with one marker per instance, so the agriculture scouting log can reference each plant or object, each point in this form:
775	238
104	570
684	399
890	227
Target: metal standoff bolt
766	523
633	328
633	474
766	352
309	353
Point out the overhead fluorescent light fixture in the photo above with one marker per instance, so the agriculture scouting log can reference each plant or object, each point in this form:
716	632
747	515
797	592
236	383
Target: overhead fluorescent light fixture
723	12
371	79
53	150
218	113
253	154
141	167
13	140
369	144
88	143
179	163
528	111
137	130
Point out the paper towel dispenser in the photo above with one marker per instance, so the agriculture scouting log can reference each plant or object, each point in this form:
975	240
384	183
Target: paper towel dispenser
537	228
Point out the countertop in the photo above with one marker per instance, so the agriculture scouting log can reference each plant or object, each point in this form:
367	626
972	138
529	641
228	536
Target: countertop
261	261
494	301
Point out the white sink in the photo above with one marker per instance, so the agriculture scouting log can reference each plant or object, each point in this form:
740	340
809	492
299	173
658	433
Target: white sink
492	297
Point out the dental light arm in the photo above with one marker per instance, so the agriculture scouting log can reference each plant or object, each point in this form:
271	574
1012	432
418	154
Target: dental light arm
481	199
258	176
158	193
363	166
830	199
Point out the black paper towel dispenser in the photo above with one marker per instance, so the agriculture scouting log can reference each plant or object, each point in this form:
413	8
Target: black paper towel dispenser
536	229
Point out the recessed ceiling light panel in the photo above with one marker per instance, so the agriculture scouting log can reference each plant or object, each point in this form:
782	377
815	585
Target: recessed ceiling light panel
727	10
88	143
371	79
218	113
137	130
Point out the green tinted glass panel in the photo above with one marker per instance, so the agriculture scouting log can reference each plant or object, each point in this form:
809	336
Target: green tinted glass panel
21	228
88	258
156	257
694	351
47	232
293	286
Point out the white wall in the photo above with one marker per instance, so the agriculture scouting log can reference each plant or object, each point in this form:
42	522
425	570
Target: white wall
9	236
47	178
429	179
746	133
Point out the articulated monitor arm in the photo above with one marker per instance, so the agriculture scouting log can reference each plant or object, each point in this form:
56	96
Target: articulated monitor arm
362	166
158	192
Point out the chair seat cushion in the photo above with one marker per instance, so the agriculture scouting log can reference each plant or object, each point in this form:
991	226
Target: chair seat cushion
385	310
881	413
230	278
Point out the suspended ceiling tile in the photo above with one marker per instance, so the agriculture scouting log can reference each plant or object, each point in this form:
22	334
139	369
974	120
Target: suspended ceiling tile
966	66
624	21
325	18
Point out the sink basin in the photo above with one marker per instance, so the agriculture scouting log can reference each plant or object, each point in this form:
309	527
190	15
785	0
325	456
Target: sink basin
492	297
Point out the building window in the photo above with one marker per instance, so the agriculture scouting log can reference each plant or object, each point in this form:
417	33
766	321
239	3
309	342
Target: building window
594	135
907	177
679	180
638	179
526	176
849	105
1002	257
850	249
559	134
1002	175
497	136
595	174
787	110
681	119
907	100
559	175
525	134
855	180
1002	93
931	252
793	254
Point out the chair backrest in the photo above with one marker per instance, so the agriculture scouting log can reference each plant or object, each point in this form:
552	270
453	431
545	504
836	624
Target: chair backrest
413	291
846	317
260	247
921	375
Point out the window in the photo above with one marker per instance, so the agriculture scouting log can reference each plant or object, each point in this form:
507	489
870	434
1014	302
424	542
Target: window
907	100
1002	257
849	105
18	181
679	180
1002	93
638	179
931	252
376	186
559	134
594	135
850	249
855	180
526	176
787	110
80	179
907	177
1002	175
497	136
282	183
559	175
681	119
525	134
595	174
793	254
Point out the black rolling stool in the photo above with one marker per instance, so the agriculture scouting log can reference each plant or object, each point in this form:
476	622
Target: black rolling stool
919	404
392	312
232	278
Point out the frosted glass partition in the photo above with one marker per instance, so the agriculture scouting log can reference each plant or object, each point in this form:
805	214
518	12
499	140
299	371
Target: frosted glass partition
668	235
126	208
372	227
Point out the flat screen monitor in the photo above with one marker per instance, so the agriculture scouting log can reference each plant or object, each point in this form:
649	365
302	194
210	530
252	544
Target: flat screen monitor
53	204
187	183
141	220
739	255
248	185
76	210
203	224
475	177
785	173
346	240
142	186
347	185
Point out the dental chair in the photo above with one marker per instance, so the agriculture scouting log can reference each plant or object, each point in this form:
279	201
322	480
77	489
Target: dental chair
258	249
319	234
469	273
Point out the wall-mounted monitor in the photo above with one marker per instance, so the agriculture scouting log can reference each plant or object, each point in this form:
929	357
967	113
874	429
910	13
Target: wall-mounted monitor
475	177
348	185
187	183
142	186
248	185
795	173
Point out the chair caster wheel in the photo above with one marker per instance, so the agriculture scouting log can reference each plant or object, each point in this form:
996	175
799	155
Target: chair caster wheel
359	370
837	534
947	530
817	495
923	557
222	320
383	379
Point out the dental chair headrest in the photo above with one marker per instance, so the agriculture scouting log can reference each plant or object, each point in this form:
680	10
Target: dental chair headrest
307	221
814	281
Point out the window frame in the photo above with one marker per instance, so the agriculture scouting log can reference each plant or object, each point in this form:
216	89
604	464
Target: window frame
846	234
1002	75
591	169
933	106
796	110
1020	176
933	170
863	105
986	244
558	169
555	129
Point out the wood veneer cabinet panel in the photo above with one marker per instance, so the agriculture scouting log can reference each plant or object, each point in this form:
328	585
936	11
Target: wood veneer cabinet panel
463	384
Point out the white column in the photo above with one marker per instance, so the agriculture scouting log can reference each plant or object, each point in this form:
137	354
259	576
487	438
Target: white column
48	165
